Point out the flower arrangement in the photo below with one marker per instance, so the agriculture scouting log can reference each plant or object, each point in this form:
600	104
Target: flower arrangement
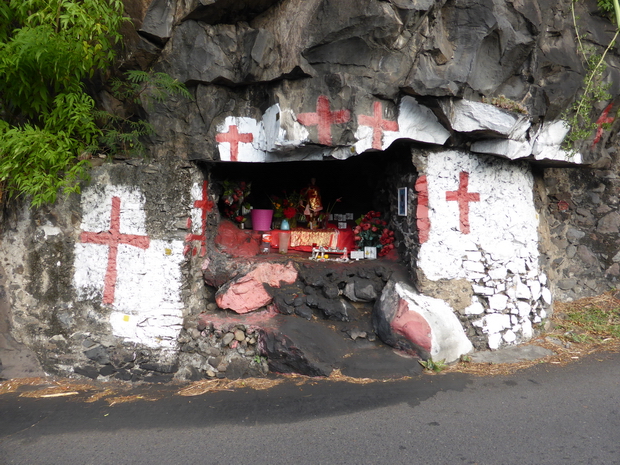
286	207
235	206
324	216
371	231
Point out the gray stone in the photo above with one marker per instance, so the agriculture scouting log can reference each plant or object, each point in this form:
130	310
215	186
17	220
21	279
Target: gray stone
88	371
292	346
571	250
609	224
227	339
586	256
574	235
330	291
304	311
157	24
98	354
566	284
511	354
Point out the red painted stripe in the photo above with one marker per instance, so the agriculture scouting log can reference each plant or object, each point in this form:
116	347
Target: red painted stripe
378	125
323	119
112	239
233	137
423	221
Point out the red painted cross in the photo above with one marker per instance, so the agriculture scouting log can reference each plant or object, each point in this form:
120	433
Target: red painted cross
603	119
112	239
233	137
205	206
463	198
378	124
323	119
424	222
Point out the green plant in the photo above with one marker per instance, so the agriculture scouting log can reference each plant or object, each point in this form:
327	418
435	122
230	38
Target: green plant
124	133
48	48
579	115
591	323
611	8
432	365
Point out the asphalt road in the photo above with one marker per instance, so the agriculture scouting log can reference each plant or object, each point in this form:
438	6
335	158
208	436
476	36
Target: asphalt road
544	415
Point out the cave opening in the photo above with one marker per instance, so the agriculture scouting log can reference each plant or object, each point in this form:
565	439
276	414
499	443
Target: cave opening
360	184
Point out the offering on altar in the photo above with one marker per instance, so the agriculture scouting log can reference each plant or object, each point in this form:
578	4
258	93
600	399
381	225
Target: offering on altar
311	198
372	231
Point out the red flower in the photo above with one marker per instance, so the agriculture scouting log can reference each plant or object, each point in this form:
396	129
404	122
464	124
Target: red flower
289	212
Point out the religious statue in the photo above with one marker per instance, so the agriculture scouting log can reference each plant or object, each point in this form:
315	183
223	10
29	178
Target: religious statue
311	199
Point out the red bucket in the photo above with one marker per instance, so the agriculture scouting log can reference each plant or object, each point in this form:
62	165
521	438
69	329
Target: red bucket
261	219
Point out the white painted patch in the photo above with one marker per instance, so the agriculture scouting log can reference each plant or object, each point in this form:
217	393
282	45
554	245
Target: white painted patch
363	135
417	122
548	141
196	213
508	148
503	236
147	300
469	116
503	224
50	230
252	151
448	339
282	131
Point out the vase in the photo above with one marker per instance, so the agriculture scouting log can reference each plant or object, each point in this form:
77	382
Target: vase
261	219
284	226
284	240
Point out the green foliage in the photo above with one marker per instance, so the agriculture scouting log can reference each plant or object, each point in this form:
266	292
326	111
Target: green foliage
591	322
47	120
596	320
610	8
579	115
434	366
122	134
158	86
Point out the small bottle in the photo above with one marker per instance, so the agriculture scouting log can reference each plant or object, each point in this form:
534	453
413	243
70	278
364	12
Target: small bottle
265	244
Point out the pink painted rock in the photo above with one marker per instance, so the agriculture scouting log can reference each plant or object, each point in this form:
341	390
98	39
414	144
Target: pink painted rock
237	242
419	324
248	293
412	326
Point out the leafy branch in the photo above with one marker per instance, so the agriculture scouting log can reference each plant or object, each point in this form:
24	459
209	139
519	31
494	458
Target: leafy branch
49	124
48	49
123	134
579	114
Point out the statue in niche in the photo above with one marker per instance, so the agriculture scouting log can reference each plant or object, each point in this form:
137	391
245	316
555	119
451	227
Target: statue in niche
311	198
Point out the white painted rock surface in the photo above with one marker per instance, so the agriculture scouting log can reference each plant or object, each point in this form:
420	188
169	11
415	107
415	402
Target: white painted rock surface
142	283
468	116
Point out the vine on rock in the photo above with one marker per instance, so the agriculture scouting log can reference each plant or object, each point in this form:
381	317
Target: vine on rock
579	114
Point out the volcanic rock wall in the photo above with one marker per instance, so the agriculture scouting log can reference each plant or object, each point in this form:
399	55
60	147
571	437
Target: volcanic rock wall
500	218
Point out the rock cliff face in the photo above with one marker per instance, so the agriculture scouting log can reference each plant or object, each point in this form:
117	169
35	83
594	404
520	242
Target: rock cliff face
458	102
241	60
